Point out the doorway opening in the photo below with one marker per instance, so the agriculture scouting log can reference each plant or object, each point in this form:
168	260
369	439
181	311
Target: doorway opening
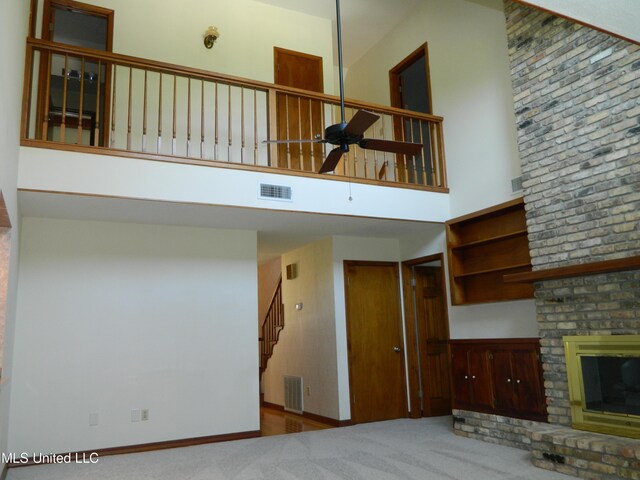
410	85
73	100
427	330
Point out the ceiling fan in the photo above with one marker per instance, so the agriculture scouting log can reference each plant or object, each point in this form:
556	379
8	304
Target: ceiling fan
344	134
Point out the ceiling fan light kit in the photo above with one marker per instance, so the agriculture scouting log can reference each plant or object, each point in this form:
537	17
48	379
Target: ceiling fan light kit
344	134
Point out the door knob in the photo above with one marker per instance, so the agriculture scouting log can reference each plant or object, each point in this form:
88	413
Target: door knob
396	349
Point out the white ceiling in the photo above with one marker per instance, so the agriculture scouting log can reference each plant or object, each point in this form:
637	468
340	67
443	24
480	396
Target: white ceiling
278	231
364	22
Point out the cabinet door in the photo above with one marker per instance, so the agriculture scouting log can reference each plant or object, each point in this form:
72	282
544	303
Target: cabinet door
528	383
503	380
460	377
481	382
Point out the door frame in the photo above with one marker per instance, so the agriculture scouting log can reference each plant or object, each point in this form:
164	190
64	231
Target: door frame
394	75
345	265
45	34
411	324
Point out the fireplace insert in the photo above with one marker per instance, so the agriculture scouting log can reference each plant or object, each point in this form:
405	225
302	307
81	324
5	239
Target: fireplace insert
604	383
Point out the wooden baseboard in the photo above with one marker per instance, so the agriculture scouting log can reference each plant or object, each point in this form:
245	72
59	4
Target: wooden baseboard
311	416
146	447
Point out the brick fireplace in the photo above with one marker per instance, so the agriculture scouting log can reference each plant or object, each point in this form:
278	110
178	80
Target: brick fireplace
577	103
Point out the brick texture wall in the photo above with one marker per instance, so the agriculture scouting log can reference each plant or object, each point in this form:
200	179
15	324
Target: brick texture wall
577	102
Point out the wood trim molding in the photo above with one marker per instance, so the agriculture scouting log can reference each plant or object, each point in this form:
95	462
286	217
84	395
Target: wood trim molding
394	80
5	221
148	447
585	269
485	211
220	164
311	416
585	24
494	341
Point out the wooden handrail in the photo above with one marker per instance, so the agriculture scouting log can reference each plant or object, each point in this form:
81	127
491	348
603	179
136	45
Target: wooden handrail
156	66
229	134
271	327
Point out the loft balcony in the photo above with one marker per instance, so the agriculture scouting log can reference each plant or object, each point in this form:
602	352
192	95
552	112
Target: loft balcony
96	102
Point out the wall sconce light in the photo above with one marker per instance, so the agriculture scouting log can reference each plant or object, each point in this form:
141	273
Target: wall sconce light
210	36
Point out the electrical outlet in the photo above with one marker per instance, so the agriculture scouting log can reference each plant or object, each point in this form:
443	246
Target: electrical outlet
93	419
135	415
308	389
144	414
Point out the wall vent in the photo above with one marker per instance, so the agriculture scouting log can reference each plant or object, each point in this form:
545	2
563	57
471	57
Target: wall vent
275	192
293	394
516	184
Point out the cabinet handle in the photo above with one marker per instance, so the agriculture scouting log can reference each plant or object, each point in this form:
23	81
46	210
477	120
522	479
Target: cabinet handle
473	377
517	381
466	377
508	380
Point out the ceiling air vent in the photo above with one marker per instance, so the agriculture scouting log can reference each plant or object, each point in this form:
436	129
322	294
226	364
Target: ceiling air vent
275	192
516	184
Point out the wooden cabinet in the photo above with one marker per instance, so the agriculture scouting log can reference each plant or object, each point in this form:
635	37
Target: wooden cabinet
484	246
502	376
471	375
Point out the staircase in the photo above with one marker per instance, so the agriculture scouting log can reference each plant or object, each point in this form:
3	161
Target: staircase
272	324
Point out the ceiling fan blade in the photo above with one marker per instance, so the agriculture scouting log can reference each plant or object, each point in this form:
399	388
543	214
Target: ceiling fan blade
360	122
332	160
391	146
292	141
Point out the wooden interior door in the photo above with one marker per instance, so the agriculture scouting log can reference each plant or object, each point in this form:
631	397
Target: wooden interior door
433	332
299	118
374	341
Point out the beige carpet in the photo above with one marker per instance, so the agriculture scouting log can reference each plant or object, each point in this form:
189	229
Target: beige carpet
400	449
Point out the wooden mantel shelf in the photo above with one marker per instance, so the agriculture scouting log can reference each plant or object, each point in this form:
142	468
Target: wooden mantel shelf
594	268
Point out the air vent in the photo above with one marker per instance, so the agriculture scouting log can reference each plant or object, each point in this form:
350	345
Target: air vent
293	394
275	192
516	184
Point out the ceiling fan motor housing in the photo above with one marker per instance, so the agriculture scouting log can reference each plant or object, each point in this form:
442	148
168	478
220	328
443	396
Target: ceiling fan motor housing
337	135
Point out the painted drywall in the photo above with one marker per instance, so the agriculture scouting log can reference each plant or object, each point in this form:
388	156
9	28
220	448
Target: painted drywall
114	317
307	344
58	171
268	276
13	30
471	89
514	319
353	248
621	17
173	32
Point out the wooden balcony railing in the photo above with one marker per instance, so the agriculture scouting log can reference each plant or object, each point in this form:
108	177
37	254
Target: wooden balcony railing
88	100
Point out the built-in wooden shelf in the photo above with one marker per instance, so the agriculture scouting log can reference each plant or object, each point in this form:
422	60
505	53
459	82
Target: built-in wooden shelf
497	238
583	269
485	245
492	270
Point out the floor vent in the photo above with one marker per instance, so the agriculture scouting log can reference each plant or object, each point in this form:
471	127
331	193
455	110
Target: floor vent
293	394
275	192
516	184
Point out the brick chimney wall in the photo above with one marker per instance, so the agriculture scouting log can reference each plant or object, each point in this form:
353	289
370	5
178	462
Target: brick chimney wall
577	103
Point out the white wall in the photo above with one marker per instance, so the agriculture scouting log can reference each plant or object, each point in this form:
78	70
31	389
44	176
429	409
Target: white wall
471	89
13	30
113	317
512	319
59	171
621	17
172	32
307	344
